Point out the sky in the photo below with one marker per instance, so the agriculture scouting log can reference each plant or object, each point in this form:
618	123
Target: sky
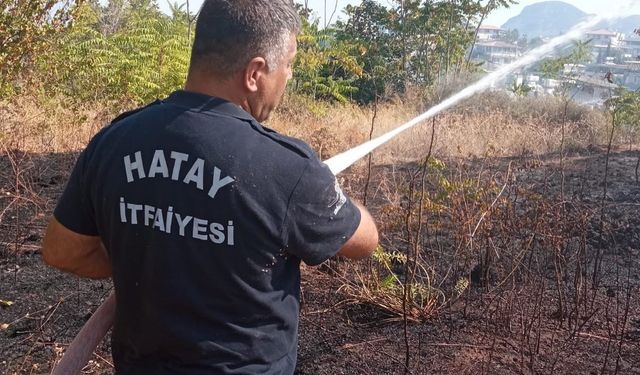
497	18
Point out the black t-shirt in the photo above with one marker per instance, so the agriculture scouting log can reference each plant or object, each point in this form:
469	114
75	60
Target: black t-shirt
205	215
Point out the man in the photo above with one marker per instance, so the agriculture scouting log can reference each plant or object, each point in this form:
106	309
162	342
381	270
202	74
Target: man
201	215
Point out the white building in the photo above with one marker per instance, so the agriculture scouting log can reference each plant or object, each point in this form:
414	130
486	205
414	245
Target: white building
591	91
603	38
631	48
603	42
632	76
496	53
489	32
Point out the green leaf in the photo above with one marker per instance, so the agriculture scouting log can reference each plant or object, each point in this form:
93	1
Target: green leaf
388	282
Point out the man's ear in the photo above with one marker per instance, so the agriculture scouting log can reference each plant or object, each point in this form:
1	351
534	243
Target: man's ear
254	72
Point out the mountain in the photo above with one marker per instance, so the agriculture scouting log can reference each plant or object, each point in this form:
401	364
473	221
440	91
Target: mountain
549	18
552	18
623	25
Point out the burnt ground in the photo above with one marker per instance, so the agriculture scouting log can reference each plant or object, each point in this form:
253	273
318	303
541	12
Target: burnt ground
507	322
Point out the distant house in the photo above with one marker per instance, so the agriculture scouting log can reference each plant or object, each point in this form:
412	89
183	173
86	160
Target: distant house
573	69
495	53
603	38
603	42
614	72
626	75
591	90
631	48
489	32
631	78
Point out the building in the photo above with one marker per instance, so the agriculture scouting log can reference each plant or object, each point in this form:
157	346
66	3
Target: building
603	42
615	64
603	38
591	91
495	53
631	78
489	32
631	48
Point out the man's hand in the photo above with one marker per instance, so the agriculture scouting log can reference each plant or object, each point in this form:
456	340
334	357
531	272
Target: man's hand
76	253
365	239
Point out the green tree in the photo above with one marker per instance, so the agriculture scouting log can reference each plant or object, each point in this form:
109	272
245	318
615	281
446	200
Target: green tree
25	27
146	57
579	53
626	105
489	7
520	89
412	43
369	30
326	66
128	51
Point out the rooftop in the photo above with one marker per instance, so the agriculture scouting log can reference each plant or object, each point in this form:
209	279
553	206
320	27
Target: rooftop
594	81
490	27
602	32
497	44
632	38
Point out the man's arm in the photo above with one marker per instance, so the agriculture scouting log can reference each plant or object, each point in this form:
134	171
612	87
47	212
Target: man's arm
365	239
76	253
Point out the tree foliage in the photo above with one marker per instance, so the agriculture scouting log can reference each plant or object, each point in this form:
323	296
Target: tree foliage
626	105
141	56
413	43
369	30
520	89
579	53
129	51
25	29
325	66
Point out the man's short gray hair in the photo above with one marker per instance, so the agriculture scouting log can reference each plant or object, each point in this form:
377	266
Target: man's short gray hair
229	33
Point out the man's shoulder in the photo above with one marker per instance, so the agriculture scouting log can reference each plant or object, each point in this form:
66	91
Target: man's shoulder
123	119
290	144
132	112
212	127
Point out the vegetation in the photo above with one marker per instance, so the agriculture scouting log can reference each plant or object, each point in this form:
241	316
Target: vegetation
28	28
479	227
128	51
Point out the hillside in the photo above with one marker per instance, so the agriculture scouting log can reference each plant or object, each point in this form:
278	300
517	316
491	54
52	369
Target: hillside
624	25
545	19
552	18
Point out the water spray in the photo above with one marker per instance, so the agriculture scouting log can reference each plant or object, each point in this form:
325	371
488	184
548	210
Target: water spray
344	160
81	349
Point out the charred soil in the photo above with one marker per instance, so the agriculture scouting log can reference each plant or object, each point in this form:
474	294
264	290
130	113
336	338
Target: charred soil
559	295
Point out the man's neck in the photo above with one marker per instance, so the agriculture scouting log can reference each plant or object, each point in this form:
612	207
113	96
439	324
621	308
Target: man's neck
223	89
